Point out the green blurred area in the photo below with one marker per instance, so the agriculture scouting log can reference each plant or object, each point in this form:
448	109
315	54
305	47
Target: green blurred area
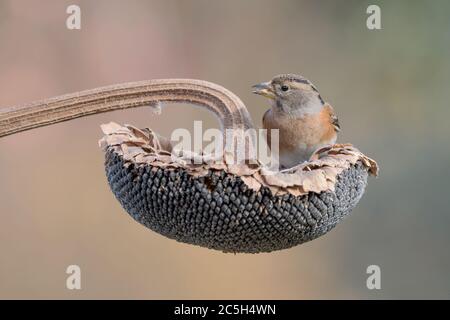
390	88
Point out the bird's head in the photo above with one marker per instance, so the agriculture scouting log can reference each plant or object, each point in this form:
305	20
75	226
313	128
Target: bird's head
290	92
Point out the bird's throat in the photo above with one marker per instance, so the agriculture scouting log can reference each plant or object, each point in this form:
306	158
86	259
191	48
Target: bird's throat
307	107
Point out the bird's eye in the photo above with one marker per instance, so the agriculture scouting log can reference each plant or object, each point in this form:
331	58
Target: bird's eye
284	87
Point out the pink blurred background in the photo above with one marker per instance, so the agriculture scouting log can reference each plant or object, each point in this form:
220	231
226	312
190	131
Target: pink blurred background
389	88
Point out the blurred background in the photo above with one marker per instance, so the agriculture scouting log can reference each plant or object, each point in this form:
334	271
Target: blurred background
390	88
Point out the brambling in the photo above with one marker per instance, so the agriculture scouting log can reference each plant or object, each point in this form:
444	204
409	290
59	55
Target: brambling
306	123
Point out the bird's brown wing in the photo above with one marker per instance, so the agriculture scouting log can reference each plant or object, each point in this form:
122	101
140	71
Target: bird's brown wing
334	117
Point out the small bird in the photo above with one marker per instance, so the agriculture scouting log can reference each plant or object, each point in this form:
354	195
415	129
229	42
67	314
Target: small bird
306	123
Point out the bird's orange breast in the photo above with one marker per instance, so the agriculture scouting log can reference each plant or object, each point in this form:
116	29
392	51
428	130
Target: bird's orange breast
308	130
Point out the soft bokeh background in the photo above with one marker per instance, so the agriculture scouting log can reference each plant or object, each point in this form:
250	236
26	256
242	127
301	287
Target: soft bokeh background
389	87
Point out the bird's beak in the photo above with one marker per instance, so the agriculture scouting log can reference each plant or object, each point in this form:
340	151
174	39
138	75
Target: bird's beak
264	89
